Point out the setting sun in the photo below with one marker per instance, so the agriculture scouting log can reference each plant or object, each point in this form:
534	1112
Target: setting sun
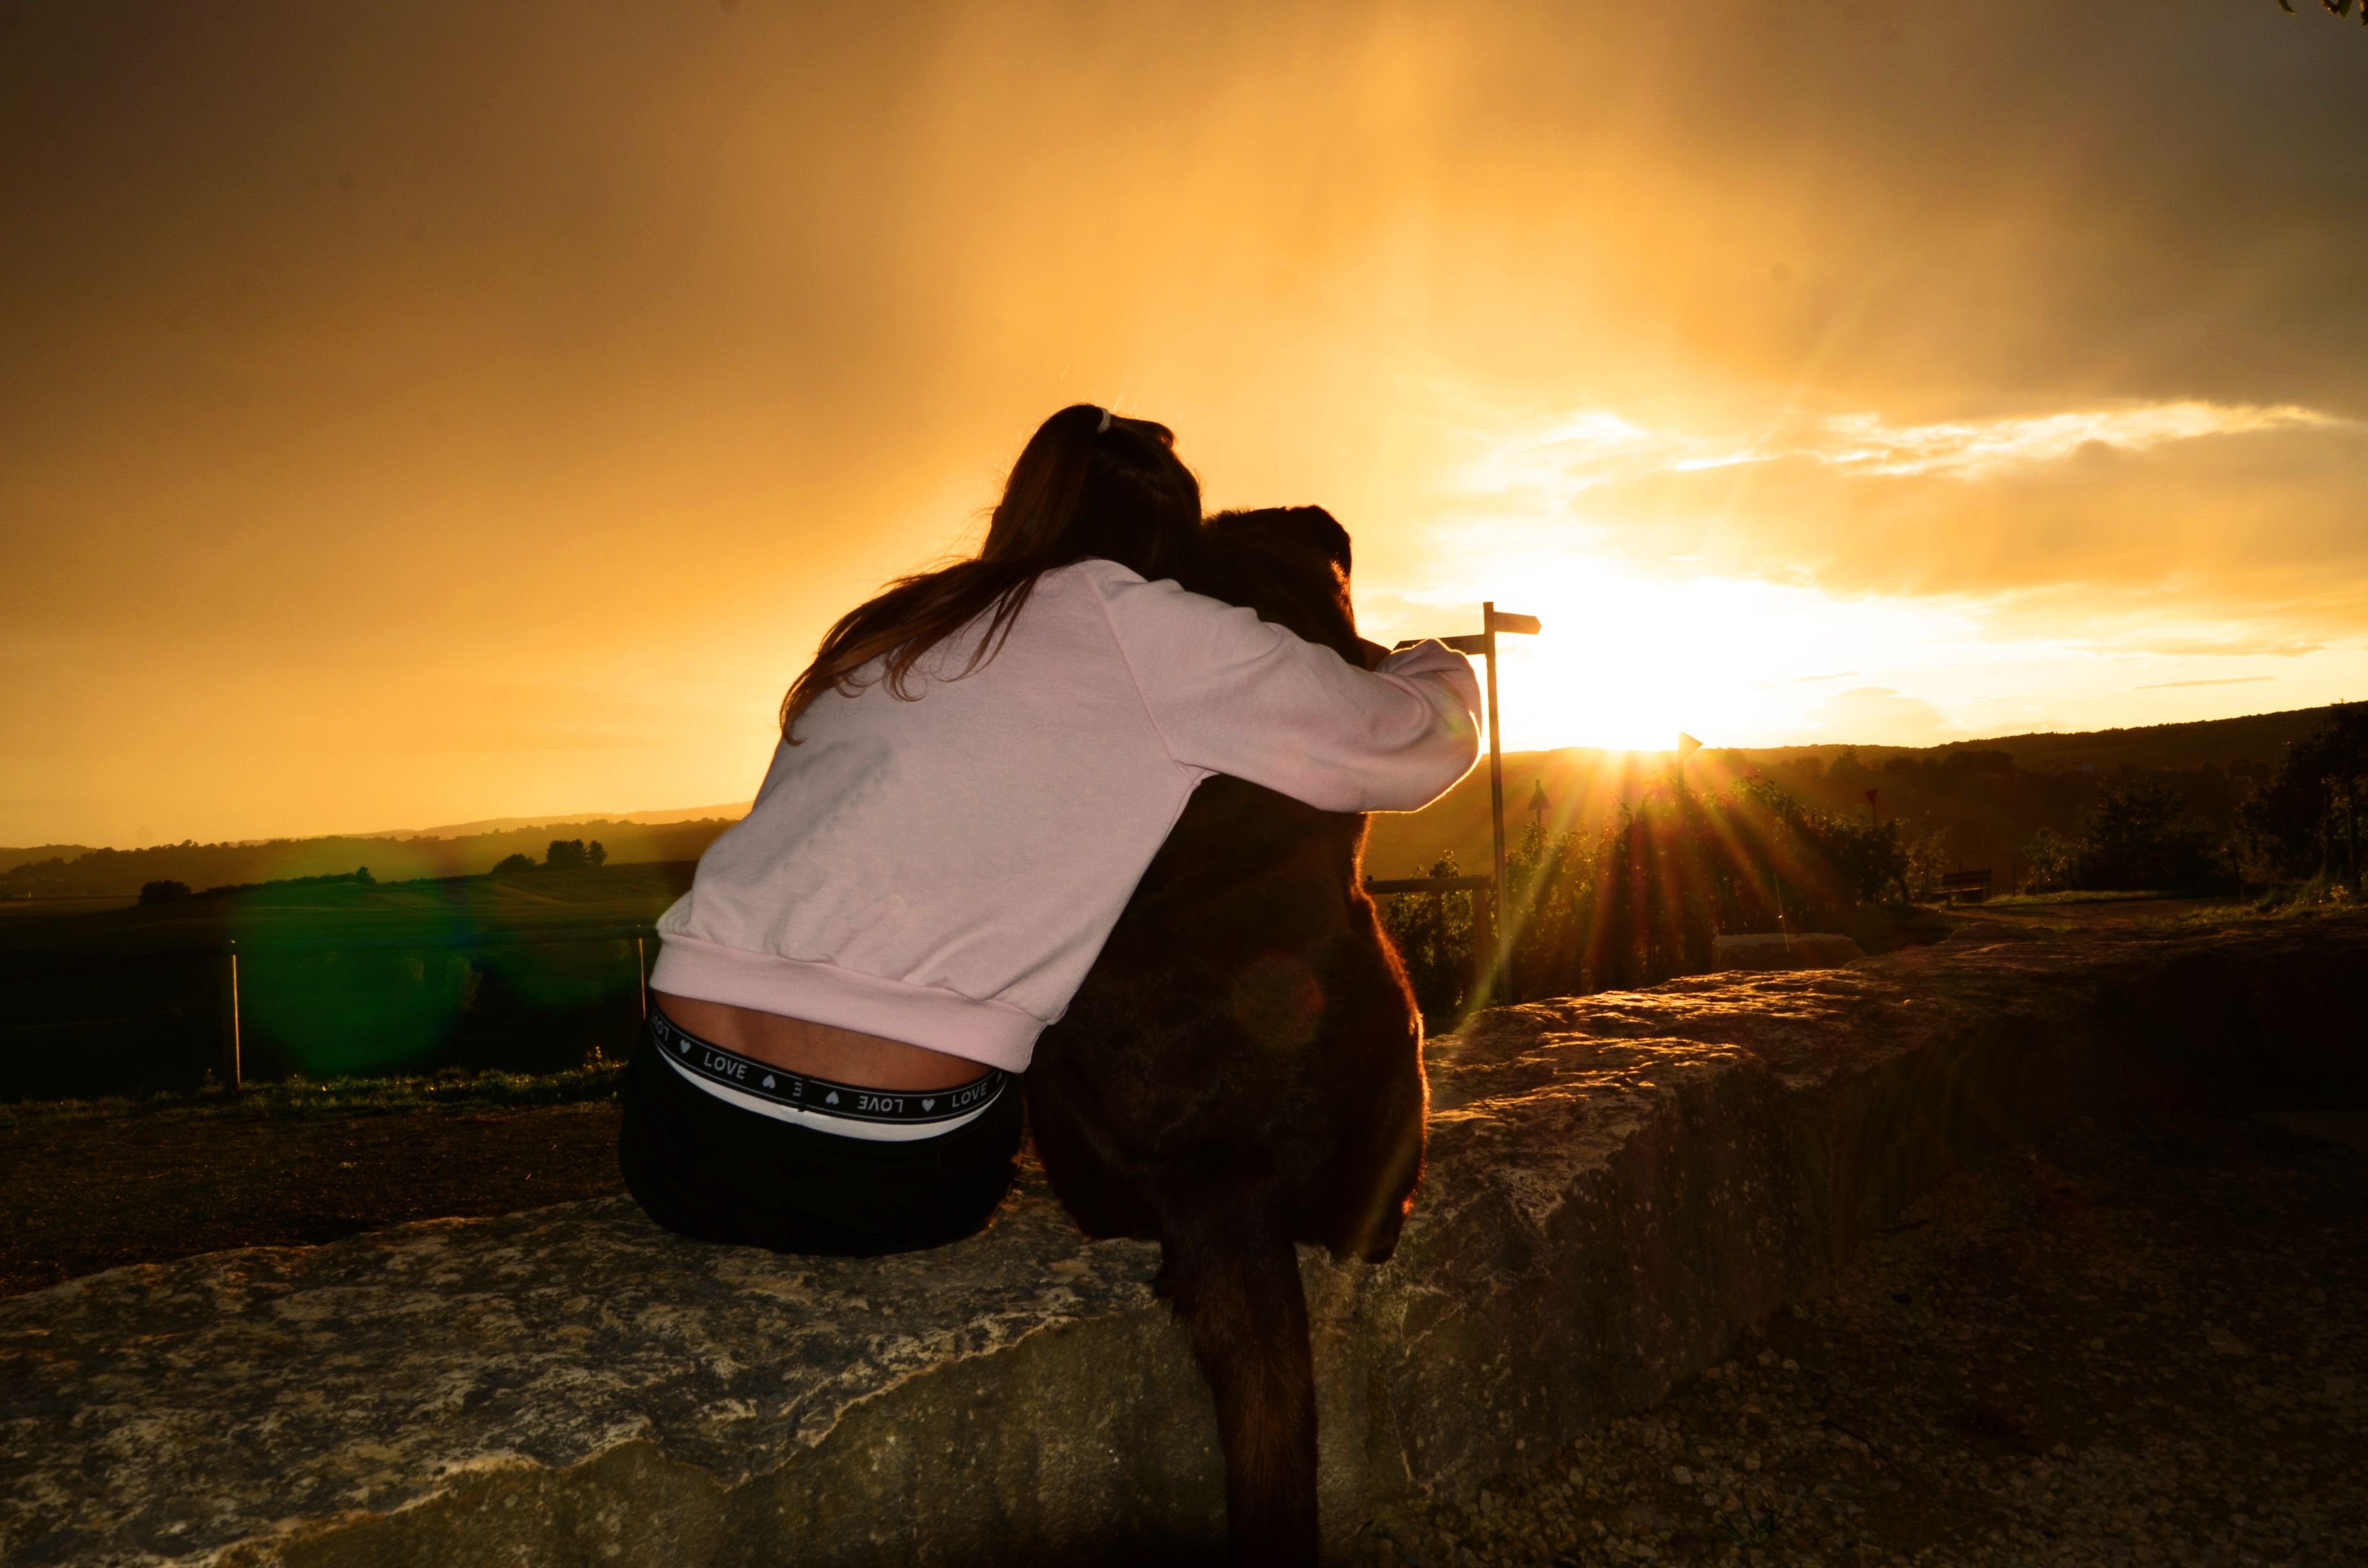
507	448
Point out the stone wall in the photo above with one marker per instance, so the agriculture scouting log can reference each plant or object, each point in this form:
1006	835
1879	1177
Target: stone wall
1618	1183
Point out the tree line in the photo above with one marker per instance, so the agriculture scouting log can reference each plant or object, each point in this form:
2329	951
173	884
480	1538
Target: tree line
565	855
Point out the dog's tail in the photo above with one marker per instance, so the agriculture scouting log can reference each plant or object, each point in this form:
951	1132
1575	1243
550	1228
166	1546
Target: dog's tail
1229	1266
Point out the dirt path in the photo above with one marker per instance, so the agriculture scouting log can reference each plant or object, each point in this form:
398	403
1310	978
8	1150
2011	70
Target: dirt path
2139	1346
2091	915
80	1196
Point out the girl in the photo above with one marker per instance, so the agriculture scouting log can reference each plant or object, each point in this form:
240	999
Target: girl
973	774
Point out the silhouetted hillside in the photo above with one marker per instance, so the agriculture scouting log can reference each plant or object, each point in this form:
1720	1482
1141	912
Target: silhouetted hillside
1970	803
12	858
122	872
2256	739
730	811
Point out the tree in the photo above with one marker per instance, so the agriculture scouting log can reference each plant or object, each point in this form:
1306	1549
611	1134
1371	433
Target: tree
2305	819
595	856
163	892
566	855
2134	836
510	865
2047	862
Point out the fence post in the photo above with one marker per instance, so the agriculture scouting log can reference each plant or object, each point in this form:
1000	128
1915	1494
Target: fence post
229	995
1484	966
642	977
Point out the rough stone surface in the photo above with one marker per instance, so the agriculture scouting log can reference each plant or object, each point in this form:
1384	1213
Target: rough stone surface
1619	1184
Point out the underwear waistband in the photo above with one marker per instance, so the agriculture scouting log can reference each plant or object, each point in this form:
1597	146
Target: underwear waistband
740	1079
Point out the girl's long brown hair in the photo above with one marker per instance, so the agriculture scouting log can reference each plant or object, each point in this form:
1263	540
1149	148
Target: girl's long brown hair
1078	491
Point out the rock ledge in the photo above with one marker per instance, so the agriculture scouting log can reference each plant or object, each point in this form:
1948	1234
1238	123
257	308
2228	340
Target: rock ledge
1618	1183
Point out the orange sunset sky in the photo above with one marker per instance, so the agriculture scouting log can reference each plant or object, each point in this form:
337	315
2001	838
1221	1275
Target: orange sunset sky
429	411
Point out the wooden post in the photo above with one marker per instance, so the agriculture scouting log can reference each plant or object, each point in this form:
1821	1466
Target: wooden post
1492	959
1485	973
642	977
2351	824
2327	830
1504	932
229	996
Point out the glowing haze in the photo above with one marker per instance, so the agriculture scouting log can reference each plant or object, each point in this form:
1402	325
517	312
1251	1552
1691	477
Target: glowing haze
426	412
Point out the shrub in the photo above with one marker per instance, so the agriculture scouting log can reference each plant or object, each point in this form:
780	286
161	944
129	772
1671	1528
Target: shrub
2306	818
2047	861
163	892
2134	837
510	865
1432	933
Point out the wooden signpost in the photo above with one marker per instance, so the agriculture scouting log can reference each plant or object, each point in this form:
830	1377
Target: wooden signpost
1492	933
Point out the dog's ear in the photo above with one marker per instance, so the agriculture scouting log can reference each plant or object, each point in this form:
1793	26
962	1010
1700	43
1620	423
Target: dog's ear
1320	530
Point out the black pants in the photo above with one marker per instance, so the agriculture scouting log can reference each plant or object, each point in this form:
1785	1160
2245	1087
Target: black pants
710	1170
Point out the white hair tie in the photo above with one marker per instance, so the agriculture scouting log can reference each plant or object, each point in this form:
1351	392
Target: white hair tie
1105	424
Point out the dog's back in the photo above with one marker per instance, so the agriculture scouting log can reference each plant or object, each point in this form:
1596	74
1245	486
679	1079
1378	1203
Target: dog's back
1242	1069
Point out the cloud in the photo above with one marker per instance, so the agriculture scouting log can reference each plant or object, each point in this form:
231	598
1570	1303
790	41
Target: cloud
2222	648
2225	680
2123	516
1597	447
1877	715
1976	449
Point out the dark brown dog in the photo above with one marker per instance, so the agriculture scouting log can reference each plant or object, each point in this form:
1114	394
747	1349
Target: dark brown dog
1242	1070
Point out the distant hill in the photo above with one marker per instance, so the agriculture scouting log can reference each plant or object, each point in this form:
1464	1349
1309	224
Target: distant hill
12	858
2258	739
730	811
122	873
1986	817
437	911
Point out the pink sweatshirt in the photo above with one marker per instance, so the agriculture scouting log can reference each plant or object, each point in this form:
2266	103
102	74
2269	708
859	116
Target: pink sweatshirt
943	871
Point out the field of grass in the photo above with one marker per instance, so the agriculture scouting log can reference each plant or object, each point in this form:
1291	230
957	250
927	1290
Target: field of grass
536	973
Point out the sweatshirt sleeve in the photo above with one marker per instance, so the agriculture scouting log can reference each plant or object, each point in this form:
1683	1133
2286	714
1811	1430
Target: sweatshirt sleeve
1230	693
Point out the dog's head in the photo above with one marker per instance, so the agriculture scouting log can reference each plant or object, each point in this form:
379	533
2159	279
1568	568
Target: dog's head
1289	563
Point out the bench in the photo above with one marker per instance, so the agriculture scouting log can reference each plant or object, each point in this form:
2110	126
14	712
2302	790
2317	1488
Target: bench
1966	887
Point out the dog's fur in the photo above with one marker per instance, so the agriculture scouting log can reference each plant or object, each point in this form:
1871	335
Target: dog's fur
1242	1070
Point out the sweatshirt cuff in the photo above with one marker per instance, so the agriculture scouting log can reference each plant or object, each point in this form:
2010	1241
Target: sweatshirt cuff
1432	658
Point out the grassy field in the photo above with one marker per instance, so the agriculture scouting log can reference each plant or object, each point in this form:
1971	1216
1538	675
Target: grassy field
536	973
